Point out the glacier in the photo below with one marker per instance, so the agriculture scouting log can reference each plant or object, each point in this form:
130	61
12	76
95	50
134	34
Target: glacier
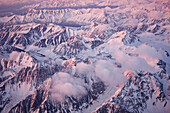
82	56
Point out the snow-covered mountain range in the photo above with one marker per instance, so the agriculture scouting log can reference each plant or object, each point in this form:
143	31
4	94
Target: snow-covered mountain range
70	56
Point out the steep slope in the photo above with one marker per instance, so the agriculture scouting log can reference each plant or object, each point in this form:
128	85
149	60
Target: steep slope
86	56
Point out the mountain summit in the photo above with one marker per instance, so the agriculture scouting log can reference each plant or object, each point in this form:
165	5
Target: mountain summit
77	56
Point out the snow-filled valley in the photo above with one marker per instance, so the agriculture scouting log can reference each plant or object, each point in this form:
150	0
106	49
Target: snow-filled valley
85	56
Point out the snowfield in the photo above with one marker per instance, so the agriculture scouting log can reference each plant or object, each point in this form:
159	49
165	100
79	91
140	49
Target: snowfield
70	56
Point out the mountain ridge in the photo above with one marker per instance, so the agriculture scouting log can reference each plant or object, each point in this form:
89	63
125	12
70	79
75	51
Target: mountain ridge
95	59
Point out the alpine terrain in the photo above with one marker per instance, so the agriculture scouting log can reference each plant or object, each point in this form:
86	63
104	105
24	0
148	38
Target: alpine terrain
85	56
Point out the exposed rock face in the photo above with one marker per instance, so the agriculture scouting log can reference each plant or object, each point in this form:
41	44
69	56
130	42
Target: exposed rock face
82	58
136	93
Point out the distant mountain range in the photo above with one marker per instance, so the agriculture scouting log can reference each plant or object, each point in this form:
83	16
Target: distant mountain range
70	56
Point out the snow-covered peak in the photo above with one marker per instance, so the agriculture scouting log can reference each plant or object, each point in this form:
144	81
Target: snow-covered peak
83	56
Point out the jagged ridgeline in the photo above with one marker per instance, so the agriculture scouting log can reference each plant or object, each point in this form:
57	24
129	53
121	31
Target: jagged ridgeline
69	56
